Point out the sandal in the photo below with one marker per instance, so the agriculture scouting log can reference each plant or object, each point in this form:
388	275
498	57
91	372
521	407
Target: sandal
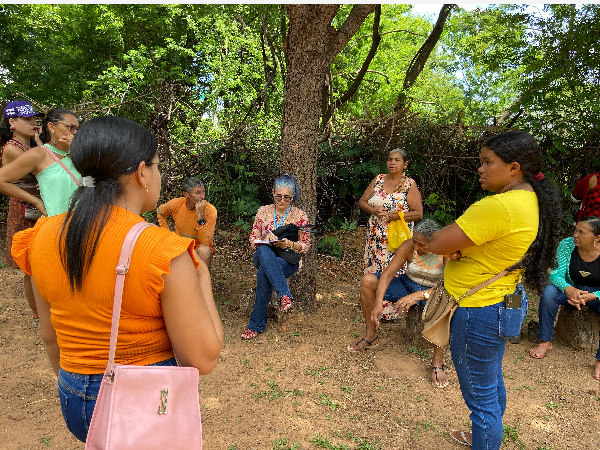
369	344
286	303
443	385
462	437
249	334
533	352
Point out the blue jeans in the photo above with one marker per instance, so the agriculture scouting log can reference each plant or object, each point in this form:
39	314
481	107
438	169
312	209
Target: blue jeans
401	286
272	274
78	394
477	351
550	301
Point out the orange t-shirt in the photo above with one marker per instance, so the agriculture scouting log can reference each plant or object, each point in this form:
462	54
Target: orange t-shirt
185	221
82	319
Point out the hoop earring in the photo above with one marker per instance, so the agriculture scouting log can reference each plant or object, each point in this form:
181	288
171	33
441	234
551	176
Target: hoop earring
146	186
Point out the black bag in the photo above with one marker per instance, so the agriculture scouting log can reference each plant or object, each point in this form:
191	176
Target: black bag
290	232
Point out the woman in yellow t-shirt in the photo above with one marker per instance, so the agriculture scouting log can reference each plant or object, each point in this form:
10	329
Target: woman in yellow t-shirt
167	301
491	236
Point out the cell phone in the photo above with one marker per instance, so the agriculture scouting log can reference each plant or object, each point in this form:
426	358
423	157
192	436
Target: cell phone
512	301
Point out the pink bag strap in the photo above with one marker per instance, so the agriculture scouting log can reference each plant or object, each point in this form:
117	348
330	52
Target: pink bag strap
487	282
62	164
122	268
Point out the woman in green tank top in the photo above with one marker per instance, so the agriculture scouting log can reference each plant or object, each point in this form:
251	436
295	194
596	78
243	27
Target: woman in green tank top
50	164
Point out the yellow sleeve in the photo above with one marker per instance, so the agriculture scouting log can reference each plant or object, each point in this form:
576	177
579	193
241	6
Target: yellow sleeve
485	221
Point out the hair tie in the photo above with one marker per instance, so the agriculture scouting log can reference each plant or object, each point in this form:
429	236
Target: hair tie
538	176
88	182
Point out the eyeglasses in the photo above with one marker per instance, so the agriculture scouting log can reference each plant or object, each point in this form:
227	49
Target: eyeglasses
160	165
285	198
72	128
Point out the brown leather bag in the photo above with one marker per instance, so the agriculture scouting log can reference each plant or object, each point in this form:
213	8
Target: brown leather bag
440	308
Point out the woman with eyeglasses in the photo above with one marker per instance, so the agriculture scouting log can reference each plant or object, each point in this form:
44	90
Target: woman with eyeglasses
17	136
49	163
167	304
273	269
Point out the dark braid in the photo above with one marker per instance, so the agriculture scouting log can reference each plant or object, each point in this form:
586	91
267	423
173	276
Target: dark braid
520	147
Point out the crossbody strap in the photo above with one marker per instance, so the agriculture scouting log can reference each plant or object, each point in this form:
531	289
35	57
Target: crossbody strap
122	269
62	164
487	282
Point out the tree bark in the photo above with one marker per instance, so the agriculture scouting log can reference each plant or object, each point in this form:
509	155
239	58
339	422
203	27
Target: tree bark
312	43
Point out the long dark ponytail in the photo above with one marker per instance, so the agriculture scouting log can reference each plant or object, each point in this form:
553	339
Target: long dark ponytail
105	148
520	147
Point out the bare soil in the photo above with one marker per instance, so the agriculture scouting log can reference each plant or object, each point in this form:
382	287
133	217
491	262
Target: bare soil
297	387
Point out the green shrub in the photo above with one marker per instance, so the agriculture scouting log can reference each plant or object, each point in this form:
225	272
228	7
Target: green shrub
331	246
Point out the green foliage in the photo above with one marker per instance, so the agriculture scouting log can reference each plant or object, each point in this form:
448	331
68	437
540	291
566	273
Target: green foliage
331	246
327	401
282	444
444	210
512	433
197	77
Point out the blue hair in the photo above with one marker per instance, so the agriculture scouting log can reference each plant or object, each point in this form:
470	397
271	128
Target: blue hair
288	182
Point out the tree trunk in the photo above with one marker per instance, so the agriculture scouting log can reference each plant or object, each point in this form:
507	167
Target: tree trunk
311	46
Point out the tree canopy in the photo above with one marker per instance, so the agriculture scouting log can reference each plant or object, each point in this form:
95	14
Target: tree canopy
210	82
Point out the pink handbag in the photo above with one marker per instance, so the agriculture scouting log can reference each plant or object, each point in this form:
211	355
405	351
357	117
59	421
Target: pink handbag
143	407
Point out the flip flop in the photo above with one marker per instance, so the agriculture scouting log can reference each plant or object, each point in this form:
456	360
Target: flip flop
534	352
462	437
369	344
441	386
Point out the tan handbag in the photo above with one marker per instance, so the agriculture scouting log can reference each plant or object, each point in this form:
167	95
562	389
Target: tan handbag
440	308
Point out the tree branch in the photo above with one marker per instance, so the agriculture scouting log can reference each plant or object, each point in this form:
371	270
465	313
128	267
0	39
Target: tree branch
351	25
381	34
363	70
418	62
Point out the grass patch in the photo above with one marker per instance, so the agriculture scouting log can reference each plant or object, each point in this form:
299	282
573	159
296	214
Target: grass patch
512	433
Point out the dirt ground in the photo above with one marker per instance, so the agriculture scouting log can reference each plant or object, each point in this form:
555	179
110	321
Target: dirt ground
298	387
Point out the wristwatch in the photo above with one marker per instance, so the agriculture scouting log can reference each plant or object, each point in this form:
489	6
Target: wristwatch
201	221
426	295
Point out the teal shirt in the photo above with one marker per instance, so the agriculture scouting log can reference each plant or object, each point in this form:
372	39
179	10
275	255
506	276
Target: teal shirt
56	186
560	277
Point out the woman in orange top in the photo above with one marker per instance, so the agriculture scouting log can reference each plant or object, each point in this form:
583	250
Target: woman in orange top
167	304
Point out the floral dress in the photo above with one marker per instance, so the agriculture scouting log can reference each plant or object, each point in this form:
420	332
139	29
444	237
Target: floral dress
377	255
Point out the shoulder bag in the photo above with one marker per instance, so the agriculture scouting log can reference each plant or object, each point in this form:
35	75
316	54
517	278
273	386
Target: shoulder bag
143	407
440	308
290	232
62	164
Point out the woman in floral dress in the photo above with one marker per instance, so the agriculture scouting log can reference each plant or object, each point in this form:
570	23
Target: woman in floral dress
388	196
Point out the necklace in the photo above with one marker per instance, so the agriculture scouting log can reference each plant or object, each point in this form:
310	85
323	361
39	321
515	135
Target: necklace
57	151
18	144
275	224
